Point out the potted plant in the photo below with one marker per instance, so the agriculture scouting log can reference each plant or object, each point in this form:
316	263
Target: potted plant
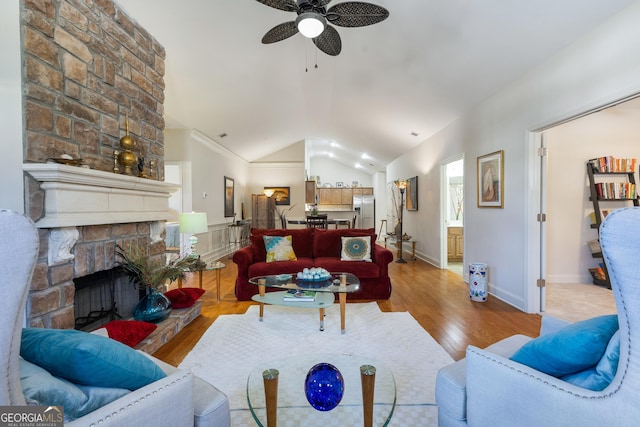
151	274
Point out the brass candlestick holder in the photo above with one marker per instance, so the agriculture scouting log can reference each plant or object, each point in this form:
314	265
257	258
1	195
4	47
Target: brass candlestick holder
126	157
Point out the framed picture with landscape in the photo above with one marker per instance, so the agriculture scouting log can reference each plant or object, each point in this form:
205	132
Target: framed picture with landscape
491	180
280	195
228	197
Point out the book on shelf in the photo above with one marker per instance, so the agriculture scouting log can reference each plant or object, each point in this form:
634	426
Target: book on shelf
603	215
594	246
612	164
597	273
299	295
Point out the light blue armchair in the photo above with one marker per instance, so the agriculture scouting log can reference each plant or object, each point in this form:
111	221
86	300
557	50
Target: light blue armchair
179	399
488	389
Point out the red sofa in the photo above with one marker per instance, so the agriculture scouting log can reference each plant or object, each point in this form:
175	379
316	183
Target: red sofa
315	247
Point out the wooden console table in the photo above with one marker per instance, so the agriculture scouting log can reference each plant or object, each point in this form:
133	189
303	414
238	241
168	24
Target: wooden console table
393	239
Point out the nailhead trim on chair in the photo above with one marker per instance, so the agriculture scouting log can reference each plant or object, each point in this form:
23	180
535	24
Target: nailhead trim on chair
520	371
141	400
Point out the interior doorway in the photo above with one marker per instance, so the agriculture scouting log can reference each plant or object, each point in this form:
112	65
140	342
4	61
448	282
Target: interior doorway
453	214
565	257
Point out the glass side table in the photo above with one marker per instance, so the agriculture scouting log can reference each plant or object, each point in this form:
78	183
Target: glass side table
217	267
369	397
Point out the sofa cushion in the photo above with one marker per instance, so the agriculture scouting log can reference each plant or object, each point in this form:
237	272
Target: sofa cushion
356	248
600	376
279	248
362	270
302	241
88	359
184	297
571	349
283	267
328	243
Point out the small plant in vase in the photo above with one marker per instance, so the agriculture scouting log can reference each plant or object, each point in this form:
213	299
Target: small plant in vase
151	274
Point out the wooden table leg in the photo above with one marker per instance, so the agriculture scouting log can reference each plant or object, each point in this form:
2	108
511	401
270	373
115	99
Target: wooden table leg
270	379
342	296
368	380
413	245
262	289
322	319
200	278
218	283
179	283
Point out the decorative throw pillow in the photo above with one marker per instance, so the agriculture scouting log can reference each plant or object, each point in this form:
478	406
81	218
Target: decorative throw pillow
129	332
571	349
279	248
600	376
184	297
88	359
356	248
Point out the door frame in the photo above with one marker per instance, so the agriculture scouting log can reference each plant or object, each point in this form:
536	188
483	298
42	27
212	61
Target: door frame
444	199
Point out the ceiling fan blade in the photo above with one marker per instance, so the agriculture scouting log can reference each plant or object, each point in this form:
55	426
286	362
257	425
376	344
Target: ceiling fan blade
286	5
356	14
329	41
280	32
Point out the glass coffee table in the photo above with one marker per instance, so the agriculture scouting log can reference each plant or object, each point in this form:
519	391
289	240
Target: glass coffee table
369	394
324	293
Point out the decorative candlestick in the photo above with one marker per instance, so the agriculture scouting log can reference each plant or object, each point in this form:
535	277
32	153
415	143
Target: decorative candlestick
116	169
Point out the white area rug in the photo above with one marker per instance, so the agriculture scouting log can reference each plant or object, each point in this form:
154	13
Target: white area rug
234	344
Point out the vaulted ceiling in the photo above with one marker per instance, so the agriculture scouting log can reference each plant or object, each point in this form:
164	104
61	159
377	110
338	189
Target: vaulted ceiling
393	85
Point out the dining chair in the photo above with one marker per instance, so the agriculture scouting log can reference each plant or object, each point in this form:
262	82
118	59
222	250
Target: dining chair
316	221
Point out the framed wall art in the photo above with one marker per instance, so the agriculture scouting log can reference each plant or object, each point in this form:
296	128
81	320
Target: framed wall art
491	180
228	197
280	195
412	194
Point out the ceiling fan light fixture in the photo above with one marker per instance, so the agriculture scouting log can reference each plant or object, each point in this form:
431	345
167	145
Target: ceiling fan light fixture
310	24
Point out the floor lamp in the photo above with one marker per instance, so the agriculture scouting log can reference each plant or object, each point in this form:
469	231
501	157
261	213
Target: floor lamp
402	185
193	223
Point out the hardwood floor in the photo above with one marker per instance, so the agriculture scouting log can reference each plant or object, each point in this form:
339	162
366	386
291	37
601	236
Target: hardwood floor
437	299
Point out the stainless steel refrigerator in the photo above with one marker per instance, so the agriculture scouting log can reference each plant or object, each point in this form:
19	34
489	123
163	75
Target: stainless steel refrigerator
365	207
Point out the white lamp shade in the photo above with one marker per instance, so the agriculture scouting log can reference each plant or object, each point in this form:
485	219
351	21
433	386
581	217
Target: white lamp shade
192	223
310	24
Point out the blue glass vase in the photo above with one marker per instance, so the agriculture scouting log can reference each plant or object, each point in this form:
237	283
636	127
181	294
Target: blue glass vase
324	386
154	307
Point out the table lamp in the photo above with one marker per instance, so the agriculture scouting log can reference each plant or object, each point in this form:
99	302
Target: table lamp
193	223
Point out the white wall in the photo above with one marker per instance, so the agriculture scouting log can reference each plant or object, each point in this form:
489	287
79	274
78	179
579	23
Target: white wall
614	132
279	175
11	108
331	171
598	69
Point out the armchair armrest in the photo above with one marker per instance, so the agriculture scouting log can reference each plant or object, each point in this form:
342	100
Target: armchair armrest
166	402
505	393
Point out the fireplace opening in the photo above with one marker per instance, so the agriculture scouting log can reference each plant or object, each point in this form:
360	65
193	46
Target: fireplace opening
103	296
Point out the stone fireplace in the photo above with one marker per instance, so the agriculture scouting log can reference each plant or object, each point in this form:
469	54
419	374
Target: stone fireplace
86	213
87	67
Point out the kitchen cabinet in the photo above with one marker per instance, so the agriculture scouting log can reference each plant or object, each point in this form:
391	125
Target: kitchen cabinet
310	192
455	244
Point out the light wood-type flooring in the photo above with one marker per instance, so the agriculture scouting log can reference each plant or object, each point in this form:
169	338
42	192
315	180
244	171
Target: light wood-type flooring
437	299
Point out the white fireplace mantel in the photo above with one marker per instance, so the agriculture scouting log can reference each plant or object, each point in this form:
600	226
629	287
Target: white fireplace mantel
76	196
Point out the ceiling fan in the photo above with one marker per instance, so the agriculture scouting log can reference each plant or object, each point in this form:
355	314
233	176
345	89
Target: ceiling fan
314	18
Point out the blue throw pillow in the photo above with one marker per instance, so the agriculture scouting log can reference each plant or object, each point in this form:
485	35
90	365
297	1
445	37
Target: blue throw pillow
571	349
599	377
88	359
42	388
